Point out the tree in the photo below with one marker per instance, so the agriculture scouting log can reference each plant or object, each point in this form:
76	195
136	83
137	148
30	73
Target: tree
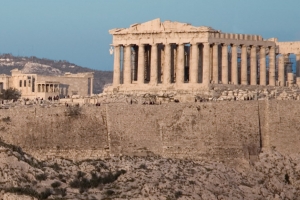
10	93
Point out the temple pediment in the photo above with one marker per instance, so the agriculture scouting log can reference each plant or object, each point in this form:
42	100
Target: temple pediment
156	26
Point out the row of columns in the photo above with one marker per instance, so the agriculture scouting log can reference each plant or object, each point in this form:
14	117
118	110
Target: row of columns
48	88
210	65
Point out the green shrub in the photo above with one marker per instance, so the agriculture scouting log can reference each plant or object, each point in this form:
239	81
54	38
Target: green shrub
73	111
6	119
45	194
109	192
178	194
84	184
10	93
55	184
23	191
143	166
55	166
41	177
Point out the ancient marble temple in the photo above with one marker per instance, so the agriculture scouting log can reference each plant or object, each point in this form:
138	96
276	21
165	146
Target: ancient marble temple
160	56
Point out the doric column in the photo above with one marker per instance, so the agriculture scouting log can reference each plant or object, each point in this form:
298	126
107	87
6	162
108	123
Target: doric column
116	79
180	65
206	63
281	77
127	62
253	67
298	69
194	68
167	64
153	78
141	64
216	63
272	58
224	64
234	65
262	66
91	92
244	80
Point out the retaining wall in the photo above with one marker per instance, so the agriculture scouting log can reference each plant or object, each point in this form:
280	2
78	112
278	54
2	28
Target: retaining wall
213	130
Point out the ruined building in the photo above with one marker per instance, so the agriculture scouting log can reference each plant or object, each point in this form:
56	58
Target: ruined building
172	56
33	85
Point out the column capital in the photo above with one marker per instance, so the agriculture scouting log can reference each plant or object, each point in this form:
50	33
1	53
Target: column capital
235	45
253	46
216	43
225	44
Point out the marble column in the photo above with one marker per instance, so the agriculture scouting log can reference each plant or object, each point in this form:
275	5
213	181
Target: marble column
116	79
167	64
206	63
224	64
127	64
180	64
298	69
272	58
194	68
154	67
234	65
281	77
244	75
216	63
141	64
253	67
262	66
91	92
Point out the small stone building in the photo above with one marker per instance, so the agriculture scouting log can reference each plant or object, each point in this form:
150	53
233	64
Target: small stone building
34	85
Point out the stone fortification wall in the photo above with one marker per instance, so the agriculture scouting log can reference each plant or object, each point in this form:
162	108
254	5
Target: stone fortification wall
46	132
219	130
281	128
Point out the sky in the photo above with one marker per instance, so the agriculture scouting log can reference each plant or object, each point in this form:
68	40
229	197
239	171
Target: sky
77	30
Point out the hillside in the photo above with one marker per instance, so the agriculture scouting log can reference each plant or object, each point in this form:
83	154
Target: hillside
49	67
272	176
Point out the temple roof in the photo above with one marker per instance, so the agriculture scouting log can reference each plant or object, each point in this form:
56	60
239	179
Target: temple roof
156	26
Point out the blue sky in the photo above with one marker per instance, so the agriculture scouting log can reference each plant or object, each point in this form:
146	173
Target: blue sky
77	30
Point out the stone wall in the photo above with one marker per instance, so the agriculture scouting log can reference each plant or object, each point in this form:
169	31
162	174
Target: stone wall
45	132
282	129
219	130
79	84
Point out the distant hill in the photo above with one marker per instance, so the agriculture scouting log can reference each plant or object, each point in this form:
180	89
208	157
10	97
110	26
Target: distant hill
49	67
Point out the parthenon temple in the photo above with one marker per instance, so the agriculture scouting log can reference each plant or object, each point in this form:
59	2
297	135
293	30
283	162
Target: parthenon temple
170	55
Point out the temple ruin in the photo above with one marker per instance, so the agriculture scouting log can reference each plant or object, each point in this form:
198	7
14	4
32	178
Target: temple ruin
34	86
172	56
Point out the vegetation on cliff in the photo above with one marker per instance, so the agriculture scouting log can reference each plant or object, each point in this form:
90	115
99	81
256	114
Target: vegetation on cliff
272	176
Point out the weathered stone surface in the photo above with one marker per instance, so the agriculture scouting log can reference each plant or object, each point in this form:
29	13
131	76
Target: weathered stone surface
215	130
